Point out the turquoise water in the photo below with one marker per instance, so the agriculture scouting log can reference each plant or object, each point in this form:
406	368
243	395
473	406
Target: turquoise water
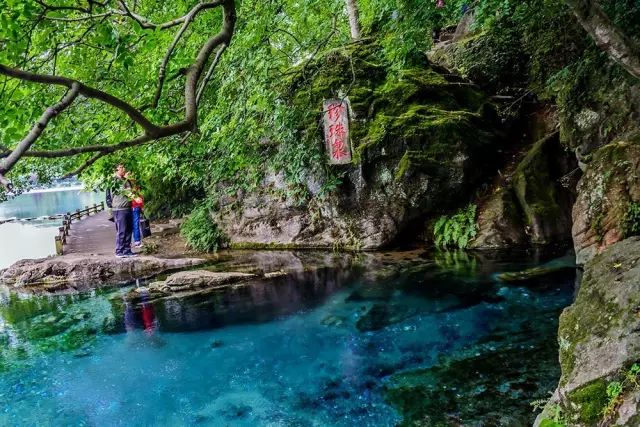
367	341
35	238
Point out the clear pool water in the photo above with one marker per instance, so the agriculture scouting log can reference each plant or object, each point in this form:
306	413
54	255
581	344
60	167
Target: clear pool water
367	340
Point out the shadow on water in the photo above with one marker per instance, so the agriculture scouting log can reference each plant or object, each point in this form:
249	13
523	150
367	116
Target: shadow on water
257	301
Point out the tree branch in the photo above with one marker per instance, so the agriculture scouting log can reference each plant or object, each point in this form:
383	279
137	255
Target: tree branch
75	8
85	90
80	18
195	71
212	67
152	132
72	151
167	56
84	166
144	22
38	128
607	35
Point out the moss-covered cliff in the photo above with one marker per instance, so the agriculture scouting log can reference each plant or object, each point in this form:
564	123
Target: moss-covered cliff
417	136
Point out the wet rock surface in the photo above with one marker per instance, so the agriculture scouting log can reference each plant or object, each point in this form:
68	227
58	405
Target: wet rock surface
599	341
70	273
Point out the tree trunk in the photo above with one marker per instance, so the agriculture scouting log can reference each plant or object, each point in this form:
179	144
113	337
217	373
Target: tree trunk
606	35
354	19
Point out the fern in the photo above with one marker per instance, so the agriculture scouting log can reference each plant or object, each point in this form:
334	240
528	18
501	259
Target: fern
200	232
456	230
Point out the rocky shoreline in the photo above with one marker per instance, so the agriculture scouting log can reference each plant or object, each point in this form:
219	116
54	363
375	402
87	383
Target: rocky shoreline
73	273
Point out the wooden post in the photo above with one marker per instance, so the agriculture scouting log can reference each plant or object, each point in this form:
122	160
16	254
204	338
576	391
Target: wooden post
58	245
102	205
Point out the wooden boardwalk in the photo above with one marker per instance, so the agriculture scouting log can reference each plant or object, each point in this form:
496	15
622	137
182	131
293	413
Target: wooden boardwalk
92	235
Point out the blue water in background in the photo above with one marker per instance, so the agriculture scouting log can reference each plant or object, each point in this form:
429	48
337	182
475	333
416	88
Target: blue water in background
289	352
35	238
45	203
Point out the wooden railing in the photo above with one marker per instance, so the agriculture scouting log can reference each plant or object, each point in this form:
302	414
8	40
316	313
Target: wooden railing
61	238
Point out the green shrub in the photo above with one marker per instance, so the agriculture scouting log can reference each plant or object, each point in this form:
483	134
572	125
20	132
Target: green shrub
200	232
631	220
456	230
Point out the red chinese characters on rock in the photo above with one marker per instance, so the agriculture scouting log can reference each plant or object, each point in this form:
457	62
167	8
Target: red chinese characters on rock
335	110
336	125
337	136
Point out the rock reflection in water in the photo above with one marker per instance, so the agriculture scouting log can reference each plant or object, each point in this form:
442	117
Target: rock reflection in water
255	301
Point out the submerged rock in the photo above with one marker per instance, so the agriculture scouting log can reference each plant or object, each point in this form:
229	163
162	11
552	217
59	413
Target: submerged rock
333	320
69	273
555	268
188	282
599	337
382	315
485	389
532	274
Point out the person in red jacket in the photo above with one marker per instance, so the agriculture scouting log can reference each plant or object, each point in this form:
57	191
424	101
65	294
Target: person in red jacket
136	207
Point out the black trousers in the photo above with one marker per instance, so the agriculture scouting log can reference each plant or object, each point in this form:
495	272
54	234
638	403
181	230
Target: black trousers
124	227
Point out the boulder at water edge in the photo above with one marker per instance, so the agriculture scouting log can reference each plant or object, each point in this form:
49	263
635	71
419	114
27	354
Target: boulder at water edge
599	338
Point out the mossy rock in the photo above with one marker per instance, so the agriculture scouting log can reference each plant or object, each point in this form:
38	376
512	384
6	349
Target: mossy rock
418	108
590	399
417	136
500	222
536	184
597	334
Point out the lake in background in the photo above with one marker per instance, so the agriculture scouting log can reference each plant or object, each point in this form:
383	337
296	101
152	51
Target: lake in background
35	238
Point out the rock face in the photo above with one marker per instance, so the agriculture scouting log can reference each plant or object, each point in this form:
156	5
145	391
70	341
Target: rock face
608	193
82	272
531	206
500	222
417	138
599	338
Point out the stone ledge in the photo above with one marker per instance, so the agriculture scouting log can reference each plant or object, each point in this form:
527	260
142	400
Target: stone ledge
69	273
